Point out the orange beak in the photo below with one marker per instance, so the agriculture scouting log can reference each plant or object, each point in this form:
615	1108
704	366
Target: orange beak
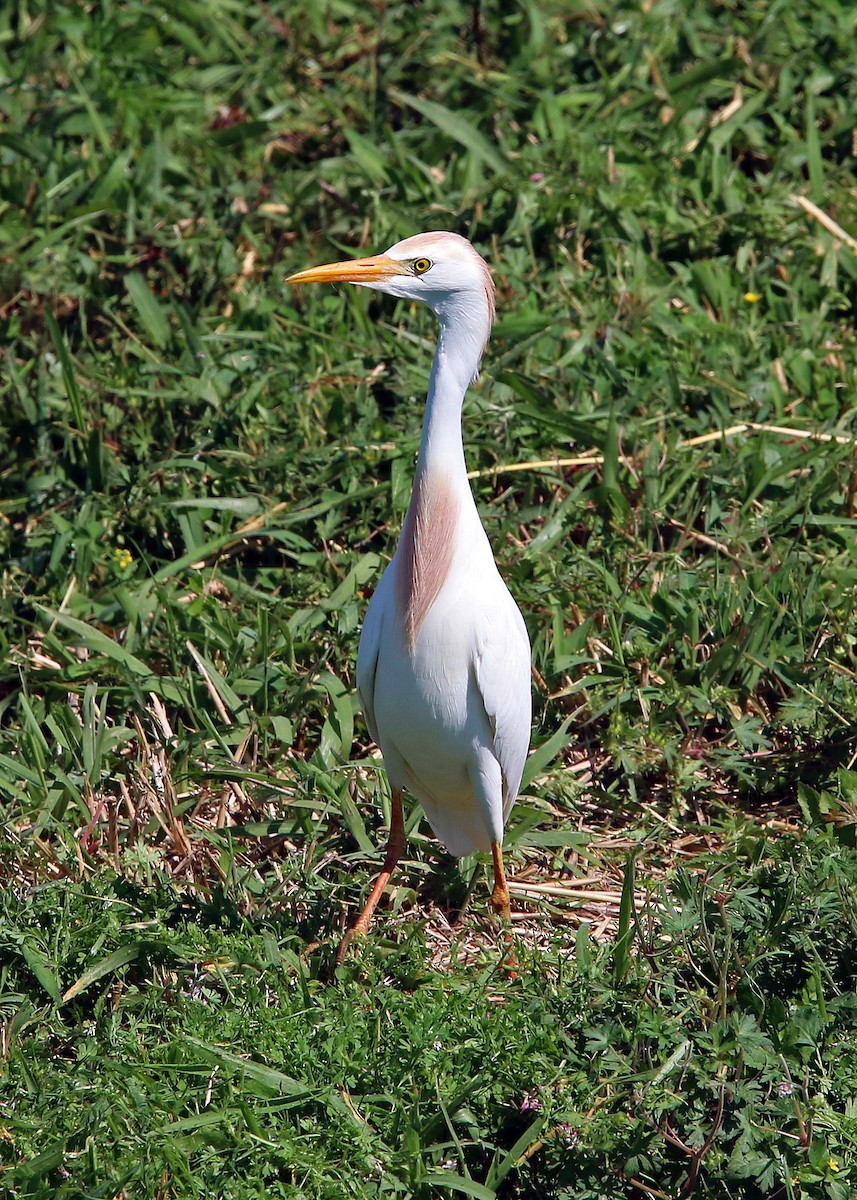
358	270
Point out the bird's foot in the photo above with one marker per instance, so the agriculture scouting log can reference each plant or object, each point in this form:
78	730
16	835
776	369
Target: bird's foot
500	902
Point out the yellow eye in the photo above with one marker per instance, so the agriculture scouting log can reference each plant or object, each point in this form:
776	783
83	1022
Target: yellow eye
421	265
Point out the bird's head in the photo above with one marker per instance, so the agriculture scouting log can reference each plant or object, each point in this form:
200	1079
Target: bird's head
441	270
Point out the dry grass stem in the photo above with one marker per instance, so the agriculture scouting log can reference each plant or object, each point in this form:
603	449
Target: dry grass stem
826	221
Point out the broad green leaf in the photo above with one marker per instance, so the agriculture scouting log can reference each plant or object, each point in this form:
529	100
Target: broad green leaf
268	1076
42	968
541	758
456	127
149	308
101	643
105	966
457	1183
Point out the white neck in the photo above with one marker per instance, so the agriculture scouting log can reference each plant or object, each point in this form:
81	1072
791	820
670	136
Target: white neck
441	503
463	333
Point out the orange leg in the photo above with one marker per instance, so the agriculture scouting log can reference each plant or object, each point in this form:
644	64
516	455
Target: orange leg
501	906
395	849
500	894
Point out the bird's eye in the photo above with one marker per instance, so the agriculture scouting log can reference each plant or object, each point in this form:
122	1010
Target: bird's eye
421	265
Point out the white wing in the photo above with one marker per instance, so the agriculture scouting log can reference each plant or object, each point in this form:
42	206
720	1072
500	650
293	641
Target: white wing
370	648
502	664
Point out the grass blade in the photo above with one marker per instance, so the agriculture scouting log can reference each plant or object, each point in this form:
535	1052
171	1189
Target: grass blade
457	1183
456	127
105	966
149	308
68	373
625	931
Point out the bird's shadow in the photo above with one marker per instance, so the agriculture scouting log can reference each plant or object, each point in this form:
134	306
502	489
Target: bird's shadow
452	883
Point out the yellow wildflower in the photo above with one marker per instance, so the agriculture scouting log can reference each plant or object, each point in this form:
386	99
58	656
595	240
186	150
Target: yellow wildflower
752	297
124	557
832	1164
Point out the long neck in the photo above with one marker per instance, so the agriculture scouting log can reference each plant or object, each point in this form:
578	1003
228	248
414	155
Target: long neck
456	361
441	497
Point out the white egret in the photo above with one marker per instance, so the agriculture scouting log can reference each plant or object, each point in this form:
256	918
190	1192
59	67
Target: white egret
443	668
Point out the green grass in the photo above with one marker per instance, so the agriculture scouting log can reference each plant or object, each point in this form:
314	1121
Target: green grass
201	475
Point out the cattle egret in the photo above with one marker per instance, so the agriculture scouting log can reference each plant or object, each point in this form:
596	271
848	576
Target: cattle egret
443	668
